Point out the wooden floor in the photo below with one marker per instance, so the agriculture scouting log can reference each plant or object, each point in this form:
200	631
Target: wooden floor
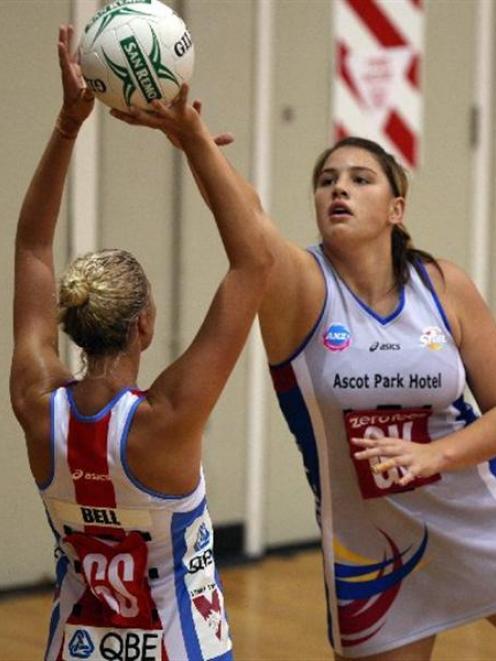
276	610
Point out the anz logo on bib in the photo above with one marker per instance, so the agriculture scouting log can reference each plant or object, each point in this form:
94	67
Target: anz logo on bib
112	644
337	337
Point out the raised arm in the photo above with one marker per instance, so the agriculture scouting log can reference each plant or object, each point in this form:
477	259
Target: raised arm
36	367
192	384
294	293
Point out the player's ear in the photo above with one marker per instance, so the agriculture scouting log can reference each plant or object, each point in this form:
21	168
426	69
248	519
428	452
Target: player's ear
397	210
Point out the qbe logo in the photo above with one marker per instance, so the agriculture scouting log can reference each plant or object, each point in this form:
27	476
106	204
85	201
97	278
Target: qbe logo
81	645
115	644
199	562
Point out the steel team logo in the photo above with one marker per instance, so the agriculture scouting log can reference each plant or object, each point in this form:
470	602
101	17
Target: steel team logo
366	589
337	337
433	338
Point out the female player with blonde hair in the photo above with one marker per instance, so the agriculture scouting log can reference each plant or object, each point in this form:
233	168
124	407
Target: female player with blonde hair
119	469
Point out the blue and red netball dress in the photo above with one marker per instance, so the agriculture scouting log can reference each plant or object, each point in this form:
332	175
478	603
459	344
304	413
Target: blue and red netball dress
400	563
136	577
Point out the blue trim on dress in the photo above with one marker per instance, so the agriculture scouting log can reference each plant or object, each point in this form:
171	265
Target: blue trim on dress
311	332
42	486
466	413
433	292
54	622
125	465
295	412
382	320
179	523
61	568
100	414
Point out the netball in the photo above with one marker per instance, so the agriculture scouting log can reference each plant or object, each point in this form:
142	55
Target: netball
133	52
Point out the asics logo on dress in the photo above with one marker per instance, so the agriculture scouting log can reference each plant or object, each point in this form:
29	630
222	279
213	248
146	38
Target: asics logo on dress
385	346
80	474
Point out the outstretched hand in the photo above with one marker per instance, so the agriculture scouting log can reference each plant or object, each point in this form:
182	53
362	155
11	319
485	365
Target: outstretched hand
178	119
413	459
78	98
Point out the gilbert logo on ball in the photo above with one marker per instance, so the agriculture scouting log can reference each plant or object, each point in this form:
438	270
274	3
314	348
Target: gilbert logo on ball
135	51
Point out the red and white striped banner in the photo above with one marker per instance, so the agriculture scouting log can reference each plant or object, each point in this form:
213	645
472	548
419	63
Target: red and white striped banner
377	91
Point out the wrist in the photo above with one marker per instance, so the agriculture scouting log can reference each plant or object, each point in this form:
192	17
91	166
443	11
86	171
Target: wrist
196	140
447	457
66	126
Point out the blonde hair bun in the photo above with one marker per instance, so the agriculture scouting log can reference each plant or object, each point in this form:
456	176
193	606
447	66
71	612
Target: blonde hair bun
74	292
100	295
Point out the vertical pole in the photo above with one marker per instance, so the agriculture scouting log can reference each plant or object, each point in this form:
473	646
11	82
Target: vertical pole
177	239
83	193
256	407
483	140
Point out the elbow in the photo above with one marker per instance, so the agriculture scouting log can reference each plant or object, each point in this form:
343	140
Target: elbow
264	255
256	263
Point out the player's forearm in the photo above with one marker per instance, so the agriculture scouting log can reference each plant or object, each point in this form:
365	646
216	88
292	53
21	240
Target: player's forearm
471	445
233	201
42	201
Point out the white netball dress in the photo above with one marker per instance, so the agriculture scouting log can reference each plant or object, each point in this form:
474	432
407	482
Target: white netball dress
400	563
136	577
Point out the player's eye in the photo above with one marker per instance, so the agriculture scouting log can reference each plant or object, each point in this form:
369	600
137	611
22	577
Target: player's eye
326	180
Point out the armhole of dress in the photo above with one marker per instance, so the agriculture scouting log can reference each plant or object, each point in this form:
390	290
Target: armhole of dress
42	486
422	271
312	331
462	384
127	469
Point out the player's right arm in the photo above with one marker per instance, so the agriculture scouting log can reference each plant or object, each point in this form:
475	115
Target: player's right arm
183	395
295	291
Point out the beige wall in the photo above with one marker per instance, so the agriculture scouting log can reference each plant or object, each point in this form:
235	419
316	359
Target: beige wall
140	195
32	96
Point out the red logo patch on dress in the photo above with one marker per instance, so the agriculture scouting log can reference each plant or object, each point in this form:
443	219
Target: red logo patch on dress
116	576
408	424
210	611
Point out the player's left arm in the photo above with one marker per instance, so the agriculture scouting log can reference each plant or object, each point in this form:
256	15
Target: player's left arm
474	330
36	368
477	346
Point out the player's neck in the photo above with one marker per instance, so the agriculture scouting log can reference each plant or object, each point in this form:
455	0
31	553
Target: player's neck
369	274
112	372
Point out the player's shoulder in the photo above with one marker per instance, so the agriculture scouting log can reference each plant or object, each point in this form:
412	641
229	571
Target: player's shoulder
448	277
458	293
